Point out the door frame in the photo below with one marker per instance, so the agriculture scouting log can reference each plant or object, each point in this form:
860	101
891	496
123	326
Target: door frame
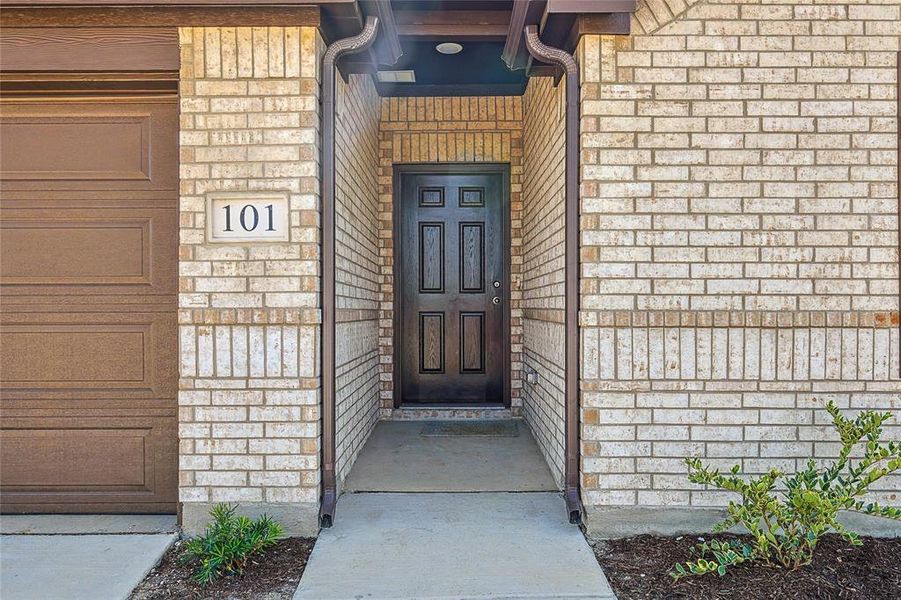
399	170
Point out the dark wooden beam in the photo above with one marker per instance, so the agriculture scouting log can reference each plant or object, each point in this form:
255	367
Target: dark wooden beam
555	26
453	24
598	24
160	16
386	49
340	20
593	7
525	12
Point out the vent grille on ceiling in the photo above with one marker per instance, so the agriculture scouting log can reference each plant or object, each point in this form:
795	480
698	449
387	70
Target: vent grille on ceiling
407	76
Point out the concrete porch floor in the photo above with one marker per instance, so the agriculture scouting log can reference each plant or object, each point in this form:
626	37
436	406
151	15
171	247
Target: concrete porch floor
397	458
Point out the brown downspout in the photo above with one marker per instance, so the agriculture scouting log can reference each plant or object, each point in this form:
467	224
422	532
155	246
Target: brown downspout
565	61
336	50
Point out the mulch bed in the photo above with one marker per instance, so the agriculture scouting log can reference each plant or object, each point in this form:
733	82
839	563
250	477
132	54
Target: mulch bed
638	568
273	576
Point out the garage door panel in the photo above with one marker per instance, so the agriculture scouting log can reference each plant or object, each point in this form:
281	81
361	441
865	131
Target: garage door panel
88	250
104	144
77	146
58	458
78	355
89	271
51	463
90	253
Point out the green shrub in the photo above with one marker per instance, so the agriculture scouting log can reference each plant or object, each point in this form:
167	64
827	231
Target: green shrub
785	526
228	543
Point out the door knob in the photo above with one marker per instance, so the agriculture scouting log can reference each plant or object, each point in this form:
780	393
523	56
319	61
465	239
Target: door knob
496	300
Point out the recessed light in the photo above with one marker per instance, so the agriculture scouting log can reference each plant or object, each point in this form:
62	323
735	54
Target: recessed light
407	76
449	48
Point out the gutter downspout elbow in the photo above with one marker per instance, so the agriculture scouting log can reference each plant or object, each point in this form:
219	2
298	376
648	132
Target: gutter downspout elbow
566	61
335	50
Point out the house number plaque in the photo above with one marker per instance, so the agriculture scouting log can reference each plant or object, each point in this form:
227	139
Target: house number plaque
244	217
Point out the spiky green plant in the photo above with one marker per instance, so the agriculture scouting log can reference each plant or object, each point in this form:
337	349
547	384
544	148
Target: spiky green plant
228	543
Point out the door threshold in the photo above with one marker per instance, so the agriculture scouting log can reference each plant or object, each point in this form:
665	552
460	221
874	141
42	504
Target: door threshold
447	412
451	405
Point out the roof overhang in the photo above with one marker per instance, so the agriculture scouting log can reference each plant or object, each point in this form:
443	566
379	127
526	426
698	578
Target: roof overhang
403	25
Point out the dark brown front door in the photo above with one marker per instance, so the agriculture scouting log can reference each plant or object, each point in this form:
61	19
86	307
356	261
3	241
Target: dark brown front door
452	287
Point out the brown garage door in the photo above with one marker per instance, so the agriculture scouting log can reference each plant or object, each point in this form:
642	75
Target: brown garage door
88	261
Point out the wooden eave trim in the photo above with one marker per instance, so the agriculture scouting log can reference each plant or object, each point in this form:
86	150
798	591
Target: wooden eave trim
598	24
456	24
160	16
595	7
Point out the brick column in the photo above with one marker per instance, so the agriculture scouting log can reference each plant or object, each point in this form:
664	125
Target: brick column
249	313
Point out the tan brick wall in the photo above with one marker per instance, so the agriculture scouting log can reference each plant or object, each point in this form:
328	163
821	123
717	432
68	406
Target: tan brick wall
437	130
357	264
249	314
543	262
739	243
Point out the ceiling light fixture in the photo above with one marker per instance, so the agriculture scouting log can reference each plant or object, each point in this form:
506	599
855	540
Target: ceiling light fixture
449	48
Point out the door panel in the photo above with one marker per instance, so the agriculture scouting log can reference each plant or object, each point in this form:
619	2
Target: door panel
472	258
451	315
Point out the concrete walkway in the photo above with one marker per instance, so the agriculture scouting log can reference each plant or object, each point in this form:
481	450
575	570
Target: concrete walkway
452	546
78	565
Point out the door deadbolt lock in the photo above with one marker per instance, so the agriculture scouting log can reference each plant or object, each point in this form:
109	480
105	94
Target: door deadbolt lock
496	284
496	300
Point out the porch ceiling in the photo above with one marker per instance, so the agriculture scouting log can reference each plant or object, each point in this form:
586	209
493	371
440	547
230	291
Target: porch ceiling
490	32
476	71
